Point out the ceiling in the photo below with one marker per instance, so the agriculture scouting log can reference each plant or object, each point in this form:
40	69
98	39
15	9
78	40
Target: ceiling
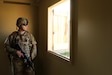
25	2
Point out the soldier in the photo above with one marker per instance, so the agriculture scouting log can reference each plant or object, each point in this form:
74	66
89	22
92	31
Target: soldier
27	44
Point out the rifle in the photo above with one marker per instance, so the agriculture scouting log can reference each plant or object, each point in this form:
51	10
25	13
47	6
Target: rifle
27	60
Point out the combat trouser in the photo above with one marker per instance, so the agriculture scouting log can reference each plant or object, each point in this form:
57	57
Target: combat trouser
20	68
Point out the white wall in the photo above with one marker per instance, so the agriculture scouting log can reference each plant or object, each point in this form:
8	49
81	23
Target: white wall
92	39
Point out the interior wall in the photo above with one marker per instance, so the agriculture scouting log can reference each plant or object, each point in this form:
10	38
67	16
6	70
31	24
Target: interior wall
8	16
91	39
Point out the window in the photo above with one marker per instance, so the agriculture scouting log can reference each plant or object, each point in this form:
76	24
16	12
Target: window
59	29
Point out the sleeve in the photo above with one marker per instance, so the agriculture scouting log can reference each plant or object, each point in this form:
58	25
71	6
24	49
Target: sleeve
34	47
8	46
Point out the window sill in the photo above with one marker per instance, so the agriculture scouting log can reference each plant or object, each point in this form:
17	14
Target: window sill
59	56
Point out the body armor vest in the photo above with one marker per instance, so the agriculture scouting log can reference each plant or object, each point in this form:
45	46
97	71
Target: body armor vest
23	39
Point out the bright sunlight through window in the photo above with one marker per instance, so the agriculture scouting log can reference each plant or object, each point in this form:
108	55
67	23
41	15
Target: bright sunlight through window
59	29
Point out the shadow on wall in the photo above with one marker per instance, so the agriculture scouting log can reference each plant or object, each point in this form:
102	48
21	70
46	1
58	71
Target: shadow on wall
4	61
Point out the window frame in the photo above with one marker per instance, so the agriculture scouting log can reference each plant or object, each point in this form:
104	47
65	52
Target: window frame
54	53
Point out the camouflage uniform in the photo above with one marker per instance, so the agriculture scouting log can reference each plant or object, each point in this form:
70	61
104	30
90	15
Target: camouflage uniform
28	43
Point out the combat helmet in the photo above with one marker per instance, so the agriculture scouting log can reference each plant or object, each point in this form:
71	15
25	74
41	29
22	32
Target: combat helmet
21	21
